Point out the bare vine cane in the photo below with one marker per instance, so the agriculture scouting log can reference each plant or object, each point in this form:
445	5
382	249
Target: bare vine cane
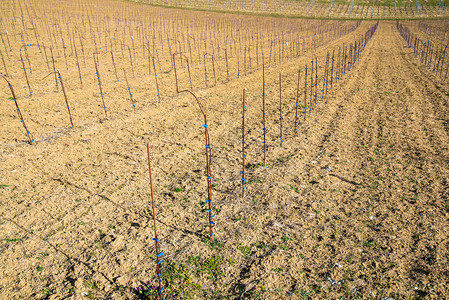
208	165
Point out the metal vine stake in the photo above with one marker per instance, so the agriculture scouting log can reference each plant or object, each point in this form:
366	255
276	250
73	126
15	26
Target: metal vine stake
280	111
263	119
296	103
243	143
156	240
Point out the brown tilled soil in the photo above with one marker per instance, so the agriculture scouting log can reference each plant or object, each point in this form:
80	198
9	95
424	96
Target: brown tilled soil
355	206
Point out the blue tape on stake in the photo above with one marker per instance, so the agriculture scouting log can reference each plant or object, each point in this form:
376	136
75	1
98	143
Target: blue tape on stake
242	172
207	146
160	254
159	261
209	210
205	125
208	177
244	180
154	239
244	106
211	216
208	200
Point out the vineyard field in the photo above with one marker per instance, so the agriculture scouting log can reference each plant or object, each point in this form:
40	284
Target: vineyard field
330	180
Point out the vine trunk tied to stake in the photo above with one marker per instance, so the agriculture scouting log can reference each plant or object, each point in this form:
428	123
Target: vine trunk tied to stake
30	137
65	94
208	165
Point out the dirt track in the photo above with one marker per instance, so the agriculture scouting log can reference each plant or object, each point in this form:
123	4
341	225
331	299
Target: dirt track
355	206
